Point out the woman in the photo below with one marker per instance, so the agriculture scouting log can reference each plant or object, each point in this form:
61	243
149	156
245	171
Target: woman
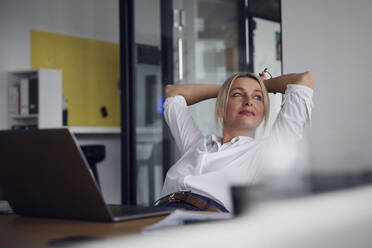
210	165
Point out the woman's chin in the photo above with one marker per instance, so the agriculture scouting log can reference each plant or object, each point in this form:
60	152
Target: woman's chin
245	126
248	124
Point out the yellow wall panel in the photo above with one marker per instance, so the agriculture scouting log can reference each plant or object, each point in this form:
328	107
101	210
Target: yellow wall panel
90	71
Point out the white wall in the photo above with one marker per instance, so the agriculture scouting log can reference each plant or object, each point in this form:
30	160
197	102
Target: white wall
95	19
333	39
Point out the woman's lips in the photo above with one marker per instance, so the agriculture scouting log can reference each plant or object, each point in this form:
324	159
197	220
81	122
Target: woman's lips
247	112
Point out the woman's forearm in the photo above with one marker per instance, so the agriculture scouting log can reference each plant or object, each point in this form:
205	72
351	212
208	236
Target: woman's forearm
279	84
193	93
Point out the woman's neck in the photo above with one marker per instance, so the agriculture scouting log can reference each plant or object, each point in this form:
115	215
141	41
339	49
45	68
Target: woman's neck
229	133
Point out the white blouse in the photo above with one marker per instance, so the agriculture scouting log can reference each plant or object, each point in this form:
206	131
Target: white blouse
208	168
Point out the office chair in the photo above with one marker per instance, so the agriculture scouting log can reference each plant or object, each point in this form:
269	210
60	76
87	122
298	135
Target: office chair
94	154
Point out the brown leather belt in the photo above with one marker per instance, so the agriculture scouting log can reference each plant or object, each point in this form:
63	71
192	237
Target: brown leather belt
189	198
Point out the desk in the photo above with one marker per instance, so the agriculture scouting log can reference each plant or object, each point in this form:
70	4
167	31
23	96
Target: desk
339	219
17	231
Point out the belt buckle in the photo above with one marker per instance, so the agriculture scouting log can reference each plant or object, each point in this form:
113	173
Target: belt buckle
172	198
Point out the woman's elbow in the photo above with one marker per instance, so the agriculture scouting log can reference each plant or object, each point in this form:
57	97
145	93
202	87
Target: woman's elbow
169	90
307	79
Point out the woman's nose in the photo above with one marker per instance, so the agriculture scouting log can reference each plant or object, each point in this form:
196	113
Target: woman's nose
247	103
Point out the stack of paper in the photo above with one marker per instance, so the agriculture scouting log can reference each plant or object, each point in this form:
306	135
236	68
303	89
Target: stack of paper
181	217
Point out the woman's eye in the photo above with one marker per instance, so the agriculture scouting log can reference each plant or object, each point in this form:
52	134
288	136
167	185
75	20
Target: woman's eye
236	94
258	97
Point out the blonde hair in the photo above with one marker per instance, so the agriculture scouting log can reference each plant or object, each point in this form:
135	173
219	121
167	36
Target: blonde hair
224	92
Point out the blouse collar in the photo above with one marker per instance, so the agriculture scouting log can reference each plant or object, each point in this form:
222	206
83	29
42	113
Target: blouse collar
218	140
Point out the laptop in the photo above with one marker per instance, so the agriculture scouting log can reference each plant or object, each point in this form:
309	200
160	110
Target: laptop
43	173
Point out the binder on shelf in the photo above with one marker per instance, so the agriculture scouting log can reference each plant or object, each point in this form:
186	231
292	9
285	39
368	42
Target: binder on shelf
13	101
33	96
24	96
24	99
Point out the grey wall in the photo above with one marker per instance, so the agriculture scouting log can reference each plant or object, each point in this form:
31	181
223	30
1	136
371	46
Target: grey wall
333	39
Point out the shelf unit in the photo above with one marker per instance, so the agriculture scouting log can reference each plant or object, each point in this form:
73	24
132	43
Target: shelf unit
49	98
93	130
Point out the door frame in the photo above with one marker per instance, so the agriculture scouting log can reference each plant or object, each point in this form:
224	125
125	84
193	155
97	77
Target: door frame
127	98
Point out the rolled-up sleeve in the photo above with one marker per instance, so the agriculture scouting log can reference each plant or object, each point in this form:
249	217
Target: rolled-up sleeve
294	115
180	122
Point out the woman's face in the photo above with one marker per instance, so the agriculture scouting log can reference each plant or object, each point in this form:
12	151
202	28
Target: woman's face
245	107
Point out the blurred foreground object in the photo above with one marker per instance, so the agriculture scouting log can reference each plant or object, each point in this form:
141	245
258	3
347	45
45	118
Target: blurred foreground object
341	219
314	183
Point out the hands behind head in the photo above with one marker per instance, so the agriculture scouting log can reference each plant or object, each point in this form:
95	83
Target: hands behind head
264	73
263	76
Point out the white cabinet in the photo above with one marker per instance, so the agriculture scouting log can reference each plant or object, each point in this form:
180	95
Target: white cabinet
40	109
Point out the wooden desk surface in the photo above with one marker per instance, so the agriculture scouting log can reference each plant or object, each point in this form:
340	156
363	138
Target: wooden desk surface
18	231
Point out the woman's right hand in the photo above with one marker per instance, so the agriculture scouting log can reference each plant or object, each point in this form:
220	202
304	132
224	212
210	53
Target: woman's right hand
279	84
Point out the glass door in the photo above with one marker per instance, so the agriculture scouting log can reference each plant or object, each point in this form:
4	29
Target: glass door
206	48
148	100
